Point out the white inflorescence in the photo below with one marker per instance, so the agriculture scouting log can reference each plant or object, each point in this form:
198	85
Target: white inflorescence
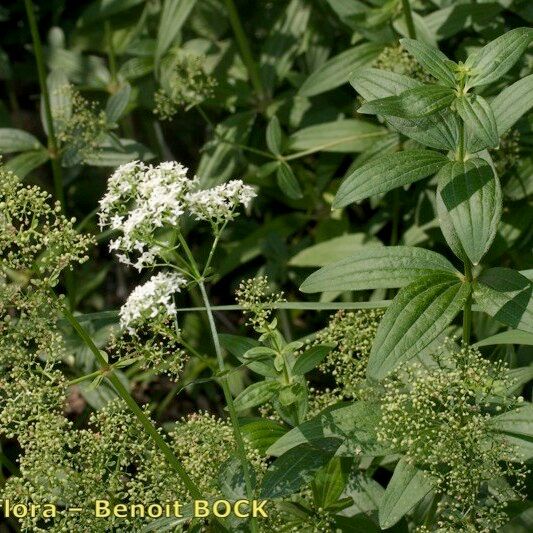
141	199
151	300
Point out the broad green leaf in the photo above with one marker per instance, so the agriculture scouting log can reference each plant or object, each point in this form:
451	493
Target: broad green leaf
496	58
418	314
329	483
433	60
513	336
440	130
136	67
513	102
287	181
377	268
23	164
469	204
355	424
60	101
406	488
117	103
173	15
273	136
237	345
13	140
356	524
345	136
332	250
109	156
231	478
365	492
256	394
517	428
262	433
479	120
289	472
102	9
338	69
283	42
310	359
411	104
386	173
506	295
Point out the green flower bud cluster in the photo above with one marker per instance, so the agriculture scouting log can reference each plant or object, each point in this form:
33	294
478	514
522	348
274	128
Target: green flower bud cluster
256	298
35	237
184	83
351	333
440	418
80	127
507	155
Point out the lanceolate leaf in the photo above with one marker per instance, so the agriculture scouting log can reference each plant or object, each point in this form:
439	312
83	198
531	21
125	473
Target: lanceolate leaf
13	140
469	203
117	103
377	267
256	394
273	136
433	60
173	16
406	488
386	173
506	295
418	315
496	58
513	336
479	119
513	102
338	69
517	429
262	433
287	181
311	359
439	131
297	466
22	164
413	103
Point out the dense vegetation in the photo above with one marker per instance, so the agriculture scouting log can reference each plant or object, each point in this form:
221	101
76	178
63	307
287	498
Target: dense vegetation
270	250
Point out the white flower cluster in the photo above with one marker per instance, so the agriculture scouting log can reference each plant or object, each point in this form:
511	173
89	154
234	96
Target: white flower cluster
151	300
142	199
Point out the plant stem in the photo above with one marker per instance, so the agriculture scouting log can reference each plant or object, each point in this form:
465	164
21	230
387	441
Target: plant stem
239	441
132	404
467	312
52	140
408	14
245	50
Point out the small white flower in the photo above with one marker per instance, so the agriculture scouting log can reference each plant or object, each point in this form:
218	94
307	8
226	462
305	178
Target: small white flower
151	300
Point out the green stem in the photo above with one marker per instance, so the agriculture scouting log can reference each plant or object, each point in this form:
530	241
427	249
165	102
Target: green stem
86	377
467	312
132	404
52	140
245	50
408	14
239	441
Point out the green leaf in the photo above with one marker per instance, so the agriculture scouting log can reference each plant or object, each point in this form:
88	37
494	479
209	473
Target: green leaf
418	314
117	103
289	472
329	483
273	136
237	345
262	433
287	182
310	359
173	16
387	173
496	58
517	428
231	479
406	488
23	164
440	131
513	336
413	103
344	136
377	268
337	70
102	9
256	394
60	100
13	140
479	119
109	156
433	60
355	424
332	250
356	524
506	295
513	102
469	204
